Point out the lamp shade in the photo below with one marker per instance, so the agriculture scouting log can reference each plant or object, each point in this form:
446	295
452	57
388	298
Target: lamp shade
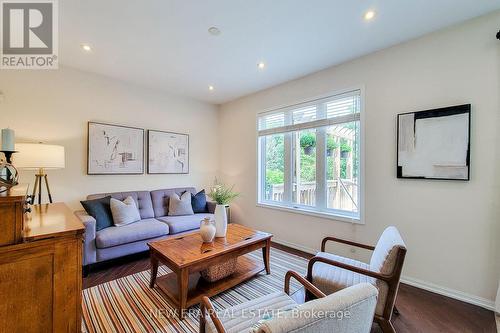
39	156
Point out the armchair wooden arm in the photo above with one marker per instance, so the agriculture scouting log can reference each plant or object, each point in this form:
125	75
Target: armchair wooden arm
308	285
206	306
312	261
345	241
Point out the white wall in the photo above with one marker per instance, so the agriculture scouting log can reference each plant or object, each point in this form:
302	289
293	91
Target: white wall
55	106
450	227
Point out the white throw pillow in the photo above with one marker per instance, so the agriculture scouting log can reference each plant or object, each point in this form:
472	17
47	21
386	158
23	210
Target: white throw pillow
124	212
180	206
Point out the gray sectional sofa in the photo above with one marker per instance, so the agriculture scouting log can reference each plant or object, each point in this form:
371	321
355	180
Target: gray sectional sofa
114	242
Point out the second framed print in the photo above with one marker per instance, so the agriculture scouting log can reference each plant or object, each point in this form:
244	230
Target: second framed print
168	152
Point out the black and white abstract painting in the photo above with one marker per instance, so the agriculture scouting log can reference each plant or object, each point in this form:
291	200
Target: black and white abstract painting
434	144
114	149
168	152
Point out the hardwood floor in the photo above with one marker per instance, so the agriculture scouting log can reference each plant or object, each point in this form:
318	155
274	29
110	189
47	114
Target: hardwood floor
420	310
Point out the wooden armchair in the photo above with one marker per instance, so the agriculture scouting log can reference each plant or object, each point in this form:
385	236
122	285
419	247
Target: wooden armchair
359	301
331	273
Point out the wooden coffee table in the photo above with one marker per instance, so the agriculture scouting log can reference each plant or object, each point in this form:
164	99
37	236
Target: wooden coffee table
186	255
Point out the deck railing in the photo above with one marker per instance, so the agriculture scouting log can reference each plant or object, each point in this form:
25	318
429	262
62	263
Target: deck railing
343	197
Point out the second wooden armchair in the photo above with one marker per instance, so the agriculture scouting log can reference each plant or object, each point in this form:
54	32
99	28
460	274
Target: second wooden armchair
323	315
331	273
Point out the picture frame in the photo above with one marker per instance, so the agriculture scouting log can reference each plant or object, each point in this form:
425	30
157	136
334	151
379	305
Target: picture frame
434	144
168	152
114	149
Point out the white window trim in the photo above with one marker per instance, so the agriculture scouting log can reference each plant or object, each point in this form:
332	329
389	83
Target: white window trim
329	214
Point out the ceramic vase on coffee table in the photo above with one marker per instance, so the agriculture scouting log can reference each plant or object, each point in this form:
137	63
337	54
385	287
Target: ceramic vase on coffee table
220	221
207	230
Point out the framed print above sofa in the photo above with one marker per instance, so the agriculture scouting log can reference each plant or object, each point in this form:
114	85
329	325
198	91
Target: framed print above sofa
168	152
114	149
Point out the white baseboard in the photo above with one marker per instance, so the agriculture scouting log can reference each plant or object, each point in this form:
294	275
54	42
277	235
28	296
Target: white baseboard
295	246
448	292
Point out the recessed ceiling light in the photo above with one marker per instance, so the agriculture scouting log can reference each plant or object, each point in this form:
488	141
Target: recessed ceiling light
214	31
86	47
369	15
261	65
211	88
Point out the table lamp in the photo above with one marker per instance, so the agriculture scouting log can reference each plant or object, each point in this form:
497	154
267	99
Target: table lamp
41	157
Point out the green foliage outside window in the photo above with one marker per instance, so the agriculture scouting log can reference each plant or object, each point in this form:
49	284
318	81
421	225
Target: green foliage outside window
308	139
307	167
275	177
344	147
275	152
330	143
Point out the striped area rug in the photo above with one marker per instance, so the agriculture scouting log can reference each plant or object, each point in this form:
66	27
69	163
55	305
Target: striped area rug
129	305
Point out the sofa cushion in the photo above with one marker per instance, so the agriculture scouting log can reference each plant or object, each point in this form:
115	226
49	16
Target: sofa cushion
178	224
199	202
144	229
100	210
178	206
160	199
124	212
142	200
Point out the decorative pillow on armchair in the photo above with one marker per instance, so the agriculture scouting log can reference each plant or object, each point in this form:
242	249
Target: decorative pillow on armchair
124	212
180	205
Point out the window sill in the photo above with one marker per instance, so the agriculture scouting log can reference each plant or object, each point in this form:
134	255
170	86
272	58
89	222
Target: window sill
303	211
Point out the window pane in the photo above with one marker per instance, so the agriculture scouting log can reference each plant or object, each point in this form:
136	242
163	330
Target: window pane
342	106
304	167
275	167
304	115
342	170
272	121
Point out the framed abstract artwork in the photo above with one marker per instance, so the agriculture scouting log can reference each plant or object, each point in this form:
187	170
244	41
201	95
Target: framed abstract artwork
168	152
434	144
114	149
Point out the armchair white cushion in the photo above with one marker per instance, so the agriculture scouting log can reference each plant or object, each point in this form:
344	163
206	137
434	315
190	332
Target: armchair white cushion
242	317
384	256
348	311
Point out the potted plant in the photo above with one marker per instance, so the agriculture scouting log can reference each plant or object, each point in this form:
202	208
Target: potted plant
331	145
308	142
345	149
222	195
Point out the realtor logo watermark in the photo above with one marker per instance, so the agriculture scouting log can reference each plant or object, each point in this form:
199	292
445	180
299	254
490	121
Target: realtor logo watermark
29	34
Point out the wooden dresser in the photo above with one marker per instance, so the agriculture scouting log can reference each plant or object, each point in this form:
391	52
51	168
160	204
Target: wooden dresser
40	271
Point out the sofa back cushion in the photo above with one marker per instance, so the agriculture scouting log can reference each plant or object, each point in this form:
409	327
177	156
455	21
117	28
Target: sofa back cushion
178	206
142	200
199	202
124	212
100	210
388	246
160	199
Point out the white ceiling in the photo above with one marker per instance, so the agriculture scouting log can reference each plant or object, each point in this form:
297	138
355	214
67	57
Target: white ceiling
164	44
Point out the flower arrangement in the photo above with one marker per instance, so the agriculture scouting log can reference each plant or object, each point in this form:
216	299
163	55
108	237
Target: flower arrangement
221	193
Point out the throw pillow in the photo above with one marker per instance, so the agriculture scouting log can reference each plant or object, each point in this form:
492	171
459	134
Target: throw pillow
180	205
100	210
199	202
124	212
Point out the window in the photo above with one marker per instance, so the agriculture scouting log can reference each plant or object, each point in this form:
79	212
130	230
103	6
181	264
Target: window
309	156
